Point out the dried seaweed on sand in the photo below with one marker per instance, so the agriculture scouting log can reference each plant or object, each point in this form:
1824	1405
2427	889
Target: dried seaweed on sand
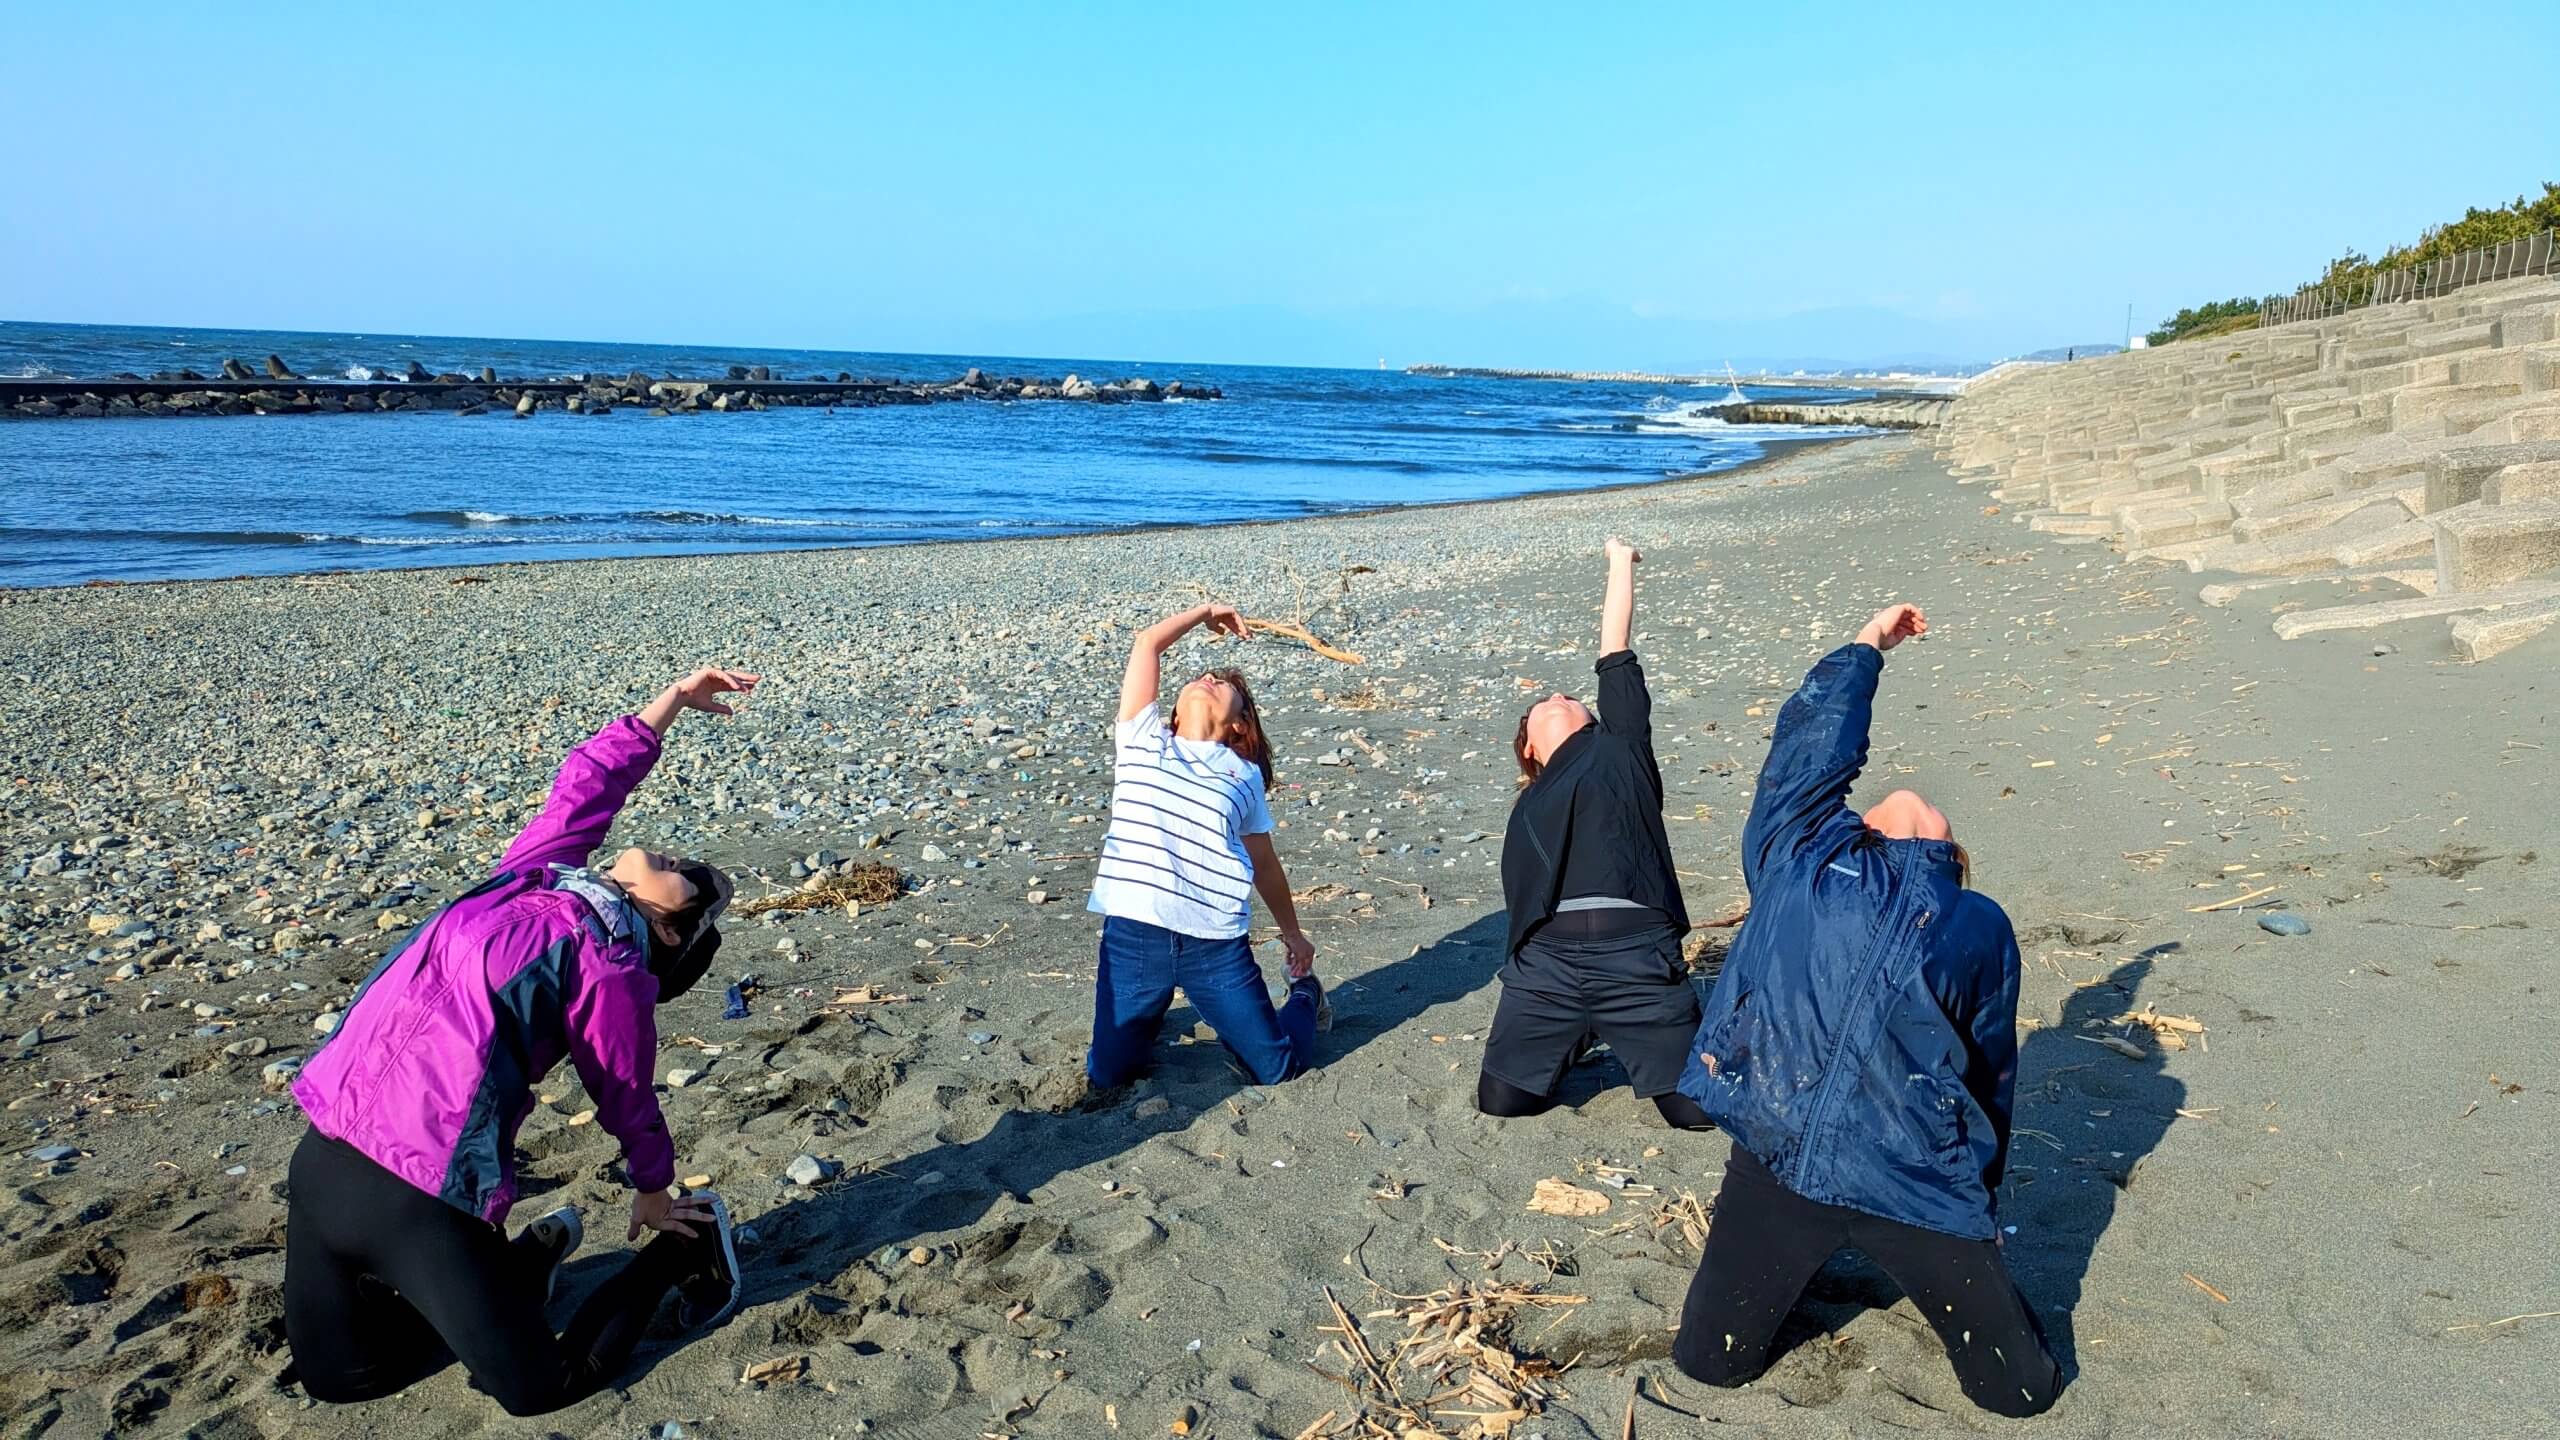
1454	1375
871	884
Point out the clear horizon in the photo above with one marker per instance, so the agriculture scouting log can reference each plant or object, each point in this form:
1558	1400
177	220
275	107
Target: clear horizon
1665	189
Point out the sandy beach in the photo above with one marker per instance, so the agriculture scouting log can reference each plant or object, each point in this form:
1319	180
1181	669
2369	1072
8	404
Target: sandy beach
2306	1199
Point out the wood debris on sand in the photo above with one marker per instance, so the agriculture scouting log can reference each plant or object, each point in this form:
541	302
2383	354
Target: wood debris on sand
871	884
1454	1375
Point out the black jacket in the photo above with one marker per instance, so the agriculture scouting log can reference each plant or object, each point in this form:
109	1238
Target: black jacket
1862	1041
1591	823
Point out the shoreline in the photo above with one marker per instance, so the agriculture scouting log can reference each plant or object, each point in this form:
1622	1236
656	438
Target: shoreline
1772	451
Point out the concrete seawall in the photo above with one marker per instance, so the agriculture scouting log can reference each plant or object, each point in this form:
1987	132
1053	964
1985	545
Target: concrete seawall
2416	444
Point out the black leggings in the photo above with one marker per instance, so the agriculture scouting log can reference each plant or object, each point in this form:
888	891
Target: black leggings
1767	1242
384	1284
1504	1100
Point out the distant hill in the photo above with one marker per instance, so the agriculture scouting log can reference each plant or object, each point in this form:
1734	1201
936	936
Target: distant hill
2067	352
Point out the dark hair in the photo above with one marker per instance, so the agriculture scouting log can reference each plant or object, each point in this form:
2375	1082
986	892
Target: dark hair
1252	744
679	966
1530	764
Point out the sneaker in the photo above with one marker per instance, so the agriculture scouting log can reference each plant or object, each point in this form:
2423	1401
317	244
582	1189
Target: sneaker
1310	985
557	1236
712	1292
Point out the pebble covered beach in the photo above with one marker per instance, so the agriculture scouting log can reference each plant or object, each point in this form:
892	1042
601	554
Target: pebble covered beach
2277	1178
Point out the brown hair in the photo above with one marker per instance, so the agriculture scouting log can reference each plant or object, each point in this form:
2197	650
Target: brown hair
1248	739
1530	764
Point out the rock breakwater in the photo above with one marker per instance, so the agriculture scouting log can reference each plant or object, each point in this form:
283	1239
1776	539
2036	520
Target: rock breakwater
239	390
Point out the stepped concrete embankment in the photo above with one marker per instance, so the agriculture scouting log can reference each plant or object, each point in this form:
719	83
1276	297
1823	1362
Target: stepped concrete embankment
239	391
2417	443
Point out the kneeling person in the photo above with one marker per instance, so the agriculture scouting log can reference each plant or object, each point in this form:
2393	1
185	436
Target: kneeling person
396	1259
1861	1049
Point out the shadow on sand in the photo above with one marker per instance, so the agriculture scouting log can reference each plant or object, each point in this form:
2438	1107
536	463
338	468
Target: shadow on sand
815	1243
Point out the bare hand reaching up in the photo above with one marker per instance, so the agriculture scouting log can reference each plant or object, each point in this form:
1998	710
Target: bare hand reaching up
1893	625
701	691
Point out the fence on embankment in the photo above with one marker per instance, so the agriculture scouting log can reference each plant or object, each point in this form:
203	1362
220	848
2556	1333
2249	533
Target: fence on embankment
2513	260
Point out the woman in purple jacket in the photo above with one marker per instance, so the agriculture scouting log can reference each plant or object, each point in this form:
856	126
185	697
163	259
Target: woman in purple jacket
396	1258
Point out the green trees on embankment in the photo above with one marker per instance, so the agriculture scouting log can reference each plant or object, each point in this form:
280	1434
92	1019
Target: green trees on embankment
2354	272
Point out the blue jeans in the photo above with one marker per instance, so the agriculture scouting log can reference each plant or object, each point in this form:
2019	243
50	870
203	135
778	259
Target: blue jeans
1142	965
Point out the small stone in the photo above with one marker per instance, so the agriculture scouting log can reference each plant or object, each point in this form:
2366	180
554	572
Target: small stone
426	819
208	932
807	1170
31	1039
981	1037
105	924
280	1073
678	1079
327	1023
249	1048
2279	922
933	855
389	920
2384	650
207	1010
1151	1107
920	1256
291	937
54	1153
1038	897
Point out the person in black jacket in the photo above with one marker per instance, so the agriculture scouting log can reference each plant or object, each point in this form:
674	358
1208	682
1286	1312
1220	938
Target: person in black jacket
1596	915
1861	1050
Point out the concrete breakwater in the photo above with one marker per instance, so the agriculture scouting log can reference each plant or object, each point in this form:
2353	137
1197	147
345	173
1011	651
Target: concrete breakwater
2413	449
1873	414
241	391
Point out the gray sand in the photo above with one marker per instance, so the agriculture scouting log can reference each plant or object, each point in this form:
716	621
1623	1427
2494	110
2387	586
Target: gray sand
253	785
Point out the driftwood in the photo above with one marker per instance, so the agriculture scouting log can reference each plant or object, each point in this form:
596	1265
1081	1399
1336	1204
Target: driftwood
1291	630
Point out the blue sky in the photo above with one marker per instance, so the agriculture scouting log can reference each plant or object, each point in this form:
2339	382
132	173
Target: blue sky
1308	184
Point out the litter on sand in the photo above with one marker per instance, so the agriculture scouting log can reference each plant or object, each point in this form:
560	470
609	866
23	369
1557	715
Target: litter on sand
1559	1197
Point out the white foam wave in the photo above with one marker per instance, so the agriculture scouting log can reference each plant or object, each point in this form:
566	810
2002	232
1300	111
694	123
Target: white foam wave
360	372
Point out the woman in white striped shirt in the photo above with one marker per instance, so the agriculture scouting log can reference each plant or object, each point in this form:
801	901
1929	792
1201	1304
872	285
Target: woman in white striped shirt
1188	848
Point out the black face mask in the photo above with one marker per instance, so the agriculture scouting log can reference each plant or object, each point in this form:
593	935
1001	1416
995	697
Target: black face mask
679	967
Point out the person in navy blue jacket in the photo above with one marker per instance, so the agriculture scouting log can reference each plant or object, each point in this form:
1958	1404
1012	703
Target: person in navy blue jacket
1860	1049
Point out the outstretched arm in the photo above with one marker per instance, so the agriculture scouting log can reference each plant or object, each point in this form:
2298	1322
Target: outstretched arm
1618	609
602	772
1138	683
1821	742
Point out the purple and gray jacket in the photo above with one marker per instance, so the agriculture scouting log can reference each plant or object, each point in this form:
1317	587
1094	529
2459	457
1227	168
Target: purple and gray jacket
432	1069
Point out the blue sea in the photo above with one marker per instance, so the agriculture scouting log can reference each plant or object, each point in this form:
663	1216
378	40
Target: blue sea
147	499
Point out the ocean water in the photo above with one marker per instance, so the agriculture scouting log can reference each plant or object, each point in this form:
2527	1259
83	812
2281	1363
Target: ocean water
147	499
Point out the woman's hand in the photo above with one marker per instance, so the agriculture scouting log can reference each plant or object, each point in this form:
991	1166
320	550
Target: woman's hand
668	1213
1224	620
1618	550
1893	625
698	691
701	689
1301	952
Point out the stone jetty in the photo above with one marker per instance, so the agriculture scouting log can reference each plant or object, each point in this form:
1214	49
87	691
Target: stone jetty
241	390
2416	443
1908	414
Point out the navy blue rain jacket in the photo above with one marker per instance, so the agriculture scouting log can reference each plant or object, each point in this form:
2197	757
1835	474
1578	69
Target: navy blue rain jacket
1862	1040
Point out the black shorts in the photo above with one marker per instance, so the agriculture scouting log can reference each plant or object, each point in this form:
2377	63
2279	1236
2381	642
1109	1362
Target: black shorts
1630	991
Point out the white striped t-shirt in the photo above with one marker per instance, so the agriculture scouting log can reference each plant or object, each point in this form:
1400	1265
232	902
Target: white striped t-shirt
1180	810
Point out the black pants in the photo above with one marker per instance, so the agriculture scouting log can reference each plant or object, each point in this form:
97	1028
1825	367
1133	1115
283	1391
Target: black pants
1766	1242
1611	975
384	1284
